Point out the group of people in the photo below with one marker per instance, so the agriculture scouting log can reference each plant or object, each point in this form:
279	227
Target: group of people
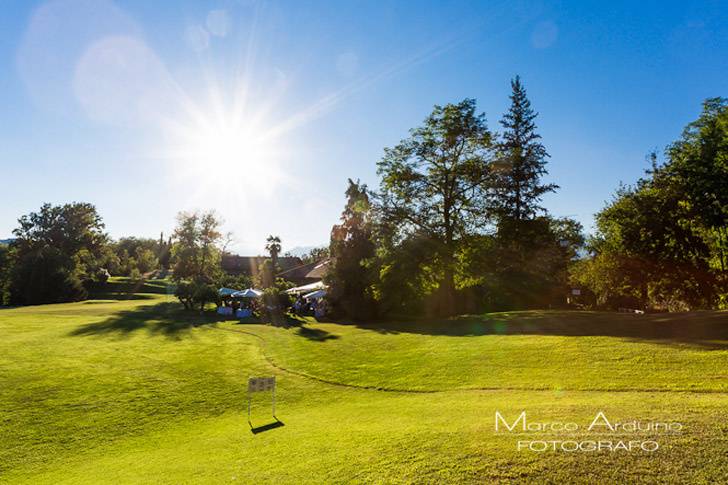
309	306
236	307
246	307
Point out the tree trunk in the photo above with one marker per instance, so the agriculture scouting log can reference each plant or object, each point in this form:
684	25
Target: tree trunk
644	296
721	255
447	297
447	288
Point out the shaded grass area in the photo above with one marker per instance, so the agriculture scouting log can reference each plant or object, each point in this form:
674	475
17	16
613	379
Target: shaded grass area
123	288
518	350
161	318
138	391
708	328
170	319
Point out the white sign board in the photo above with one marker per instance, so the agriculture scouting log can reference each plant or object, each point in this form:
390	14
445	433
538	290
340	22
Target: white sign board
259	384
576	292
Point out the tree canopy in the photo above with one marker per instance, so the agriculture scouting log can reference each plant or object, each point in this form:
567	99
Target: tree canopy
661	243
434	183
56	249
351	273
521	160
195	247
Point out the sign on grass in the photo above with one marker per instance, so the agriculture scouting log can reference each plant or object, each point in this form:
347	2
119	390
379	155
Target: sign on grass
258	384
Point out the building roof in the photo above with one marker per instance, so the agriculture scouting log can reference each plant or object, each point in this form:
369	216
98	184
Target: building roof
297	273
319	270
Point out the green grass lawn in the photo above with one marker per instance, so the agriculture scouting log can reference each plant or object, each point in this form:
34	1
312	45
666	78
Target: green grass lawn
133	390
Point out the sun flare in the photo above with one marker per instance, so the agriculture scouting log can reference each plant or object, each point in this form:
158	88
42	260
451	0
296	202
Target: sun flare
225	149
228	148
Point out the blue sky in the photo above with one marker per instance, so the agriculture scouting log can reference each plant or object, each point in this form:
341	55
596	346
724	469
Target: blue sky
262	110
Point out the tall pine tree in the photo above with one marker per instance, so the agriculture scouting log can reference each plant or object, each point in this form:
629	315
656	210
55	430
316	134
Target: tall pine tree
521	161
524	238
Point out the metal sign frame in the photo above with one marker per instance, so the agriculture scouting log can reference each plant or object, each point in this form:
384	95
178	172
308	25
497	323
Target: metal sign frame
262	384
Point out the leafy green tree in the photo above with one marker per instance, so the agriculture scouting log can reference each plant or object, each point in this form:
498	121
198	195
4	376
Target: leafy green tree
55	249
521	161
195	251
6	259
434	184
653	247
494	275
146	260
185	292
662	243
351	274
135	275
407	273
698	163
203	294
663	256
238	282
109	260
139	253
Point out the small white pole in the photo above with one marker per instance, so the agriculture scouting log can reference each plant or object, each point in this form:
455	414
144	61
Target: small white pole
274	399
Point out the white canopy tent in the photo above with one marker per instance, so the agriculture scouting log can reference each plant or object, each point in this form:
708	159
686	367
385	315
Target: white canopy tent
247	293
226	292
318	285
315	295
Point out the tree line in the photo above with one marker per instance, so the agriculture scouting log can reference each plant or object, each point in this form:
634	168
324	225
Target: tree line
456	225
61	253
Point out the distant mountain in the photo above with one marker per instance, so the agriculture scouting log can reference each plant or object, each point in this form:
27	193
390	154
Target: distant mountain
6	241
303	250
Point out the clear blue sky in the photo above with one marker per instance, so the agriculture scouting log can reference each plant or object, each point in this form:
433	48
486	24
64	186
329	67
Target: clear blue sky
261	110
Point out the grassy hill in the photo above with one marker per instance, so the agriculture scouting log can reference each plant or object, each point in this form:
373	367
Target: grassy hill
133	390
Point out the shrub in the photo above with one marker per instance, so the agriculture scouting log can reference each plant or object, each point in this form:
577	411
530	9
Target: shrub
203	294
193	295
185	293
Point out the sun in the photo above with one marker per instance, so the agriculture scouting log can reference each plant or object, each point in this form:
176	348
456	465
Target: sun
225	148
228	148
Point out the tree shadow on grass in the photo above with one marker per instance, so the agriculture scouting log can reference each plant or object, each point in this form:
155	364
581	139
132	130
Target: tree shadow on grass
315	334
290	321
129	289
708	329
168	319
99	297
